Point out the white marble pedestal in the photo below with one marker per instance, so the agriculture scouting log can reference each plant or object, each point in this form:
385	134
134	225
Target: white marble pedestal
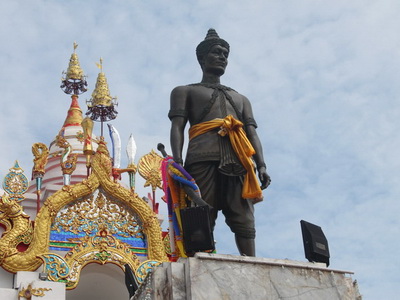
216	277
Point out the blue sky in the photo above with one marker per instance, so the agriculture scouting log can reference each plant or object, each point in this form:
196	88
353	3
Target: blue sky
323	78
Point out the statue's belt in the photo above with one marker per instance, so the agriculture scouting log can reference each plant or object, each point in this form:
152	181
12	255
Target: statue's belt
240	144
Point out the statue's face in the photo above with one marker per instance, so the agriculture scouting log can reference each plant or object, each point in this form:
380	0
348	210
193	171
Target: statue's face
216	60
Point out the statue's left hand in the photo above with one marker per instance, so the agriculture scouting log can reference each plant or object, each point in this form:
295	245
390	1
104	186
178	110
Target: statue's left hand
264	177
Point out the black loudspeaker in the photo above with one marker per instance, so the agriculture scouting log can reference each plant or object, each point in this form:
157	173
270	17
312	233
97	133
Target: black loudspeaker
197	234
315	244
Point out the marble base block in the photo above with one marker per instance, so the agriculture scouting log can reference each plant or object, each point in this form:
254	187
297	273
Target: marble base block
217	277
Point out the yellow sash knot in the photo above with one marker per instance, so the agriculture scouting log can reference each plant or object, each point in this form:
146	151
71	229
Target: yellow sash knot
240	144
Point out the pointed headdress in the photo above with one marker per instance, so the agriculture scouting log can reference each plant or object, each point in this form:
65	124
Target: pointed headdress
211	39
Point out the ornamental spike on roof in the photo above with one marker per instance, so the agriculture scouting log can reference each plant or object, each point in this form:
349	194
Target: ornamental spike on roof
101	105
101	94
74	70
74	81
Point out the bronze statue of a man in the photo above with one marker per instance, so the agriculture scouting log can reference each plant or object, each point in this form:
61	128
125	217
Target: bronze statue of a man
223	143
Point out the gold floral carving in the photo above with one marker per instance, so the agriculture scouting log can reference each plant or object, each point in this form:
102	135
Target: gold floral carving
149	168
28	292
99	212
80	136
100	178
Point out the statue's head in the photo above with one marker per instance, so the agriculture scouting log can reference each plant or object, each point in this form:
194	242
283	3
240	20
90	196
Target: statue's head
210	41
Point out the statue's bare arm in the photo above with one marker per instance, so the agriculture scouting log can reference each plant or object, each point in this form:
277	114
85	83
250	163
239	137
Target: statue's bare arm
178	105
255	141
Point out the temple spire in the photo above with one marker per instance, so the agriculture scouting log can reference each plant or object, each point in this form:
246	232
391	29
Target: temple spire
74	81
101	94
74	115
101	105
74	84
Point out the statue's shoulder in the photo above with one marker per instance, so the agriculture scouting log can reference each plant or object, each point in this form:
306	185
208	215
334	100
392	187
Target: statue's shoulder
181	91
189	90
180	88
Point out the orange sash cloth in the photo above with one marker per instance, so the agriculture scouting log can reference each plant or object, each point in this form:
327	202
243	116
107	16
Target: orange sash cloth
240	144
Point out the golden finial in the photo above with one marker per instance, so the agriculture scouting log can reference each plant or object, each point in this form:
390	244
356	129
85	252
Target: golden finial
101	94
74	81
100	65
74	70
101	105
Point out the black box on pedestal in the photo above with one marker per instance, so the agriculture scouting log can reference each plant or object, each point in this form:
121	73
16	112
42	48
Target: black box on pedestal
315	243
197	233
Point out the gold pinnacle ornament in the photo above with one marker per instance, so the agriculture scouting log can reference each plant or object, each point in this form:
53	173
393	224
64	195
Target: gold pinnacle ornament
74	81
101	94
101	107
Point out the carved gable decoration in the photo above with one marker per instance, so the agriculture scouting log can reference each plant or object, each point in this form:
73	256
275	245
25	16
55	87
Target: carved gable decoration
97	220
89	215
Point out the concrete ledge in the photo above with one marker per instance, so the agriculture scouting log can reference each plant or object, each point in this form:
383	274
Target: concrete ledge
269	261
216	276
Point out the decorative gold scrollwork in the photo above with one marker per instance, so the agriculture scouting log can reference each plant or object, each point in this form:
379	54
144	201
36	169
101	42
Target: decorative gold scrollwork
144	268
29	291
99	212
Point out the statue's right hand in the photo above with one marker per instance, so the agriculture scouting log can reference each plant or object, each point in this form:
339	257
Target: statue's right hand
264	177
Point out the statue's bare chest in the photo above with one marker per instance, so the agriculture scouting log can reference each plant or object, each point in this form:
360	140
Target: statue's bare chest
205	104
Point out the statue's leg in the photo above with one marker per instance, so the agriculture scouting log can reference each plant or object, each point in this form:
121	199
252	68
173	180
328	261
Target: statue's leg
239	215
246	247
